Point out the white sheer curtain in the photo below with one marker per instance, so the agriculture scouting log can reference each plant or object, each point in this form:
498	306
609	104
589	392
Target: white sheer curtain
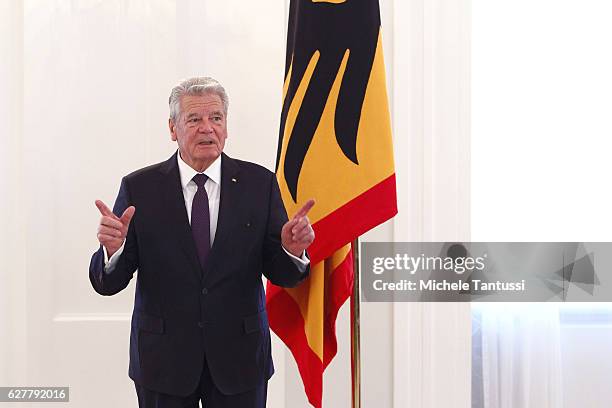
521	355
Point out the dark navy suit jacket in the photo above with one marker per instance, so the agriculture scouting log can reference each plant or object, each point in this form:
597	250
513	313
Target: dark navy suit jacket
183	312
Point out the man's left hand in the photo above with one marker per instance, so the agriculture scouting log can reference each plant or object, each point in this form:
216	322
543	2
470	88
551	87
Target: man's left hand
297	233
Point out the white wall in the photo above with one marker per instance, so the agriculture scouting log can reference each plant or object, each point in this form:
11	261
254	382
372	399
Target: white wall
12	238
431	103
86	89
541	135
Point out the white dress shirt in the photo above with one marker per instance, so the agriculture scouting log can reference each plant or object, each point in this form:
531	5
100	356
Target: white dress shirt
213	190
212	187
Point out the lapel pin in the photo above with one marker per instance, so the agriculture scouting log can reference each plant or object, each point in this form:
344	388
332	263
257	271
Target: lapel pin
234	180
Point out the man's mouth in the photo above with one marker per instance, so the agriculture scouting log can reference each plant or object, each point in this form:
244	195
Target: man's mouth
206	143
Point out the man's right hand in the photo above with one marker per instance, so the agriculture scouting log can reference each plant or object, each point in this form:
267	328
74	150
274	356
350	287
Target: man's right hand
112	229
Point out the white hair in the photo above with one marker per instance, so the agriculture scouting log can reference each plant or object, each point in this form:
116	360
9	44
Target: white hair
195	86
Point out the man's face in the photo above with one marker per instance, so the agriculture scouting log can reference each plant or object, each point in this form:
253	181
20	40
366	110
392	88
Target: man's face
200	130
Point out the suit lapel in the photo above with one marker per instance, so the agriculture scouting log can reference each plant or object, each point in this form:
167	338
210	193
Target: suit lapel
172	192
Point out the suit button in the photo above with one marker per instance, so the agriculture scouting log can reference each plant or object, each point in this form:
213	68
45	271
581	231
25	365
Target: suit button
200	325
204	291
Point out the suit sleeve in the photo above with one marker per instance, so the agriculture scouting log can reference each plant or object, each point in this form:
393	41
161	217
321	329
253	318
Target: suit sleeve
110	283
279	268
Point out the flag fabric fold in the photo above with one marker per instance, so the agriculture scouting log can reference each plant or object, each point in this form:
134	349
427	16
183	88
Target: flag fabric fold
334	146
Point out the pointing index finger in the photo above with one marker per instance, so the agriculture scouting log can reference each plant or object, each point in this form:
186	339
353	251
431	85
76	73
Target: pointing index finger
104	210
304	210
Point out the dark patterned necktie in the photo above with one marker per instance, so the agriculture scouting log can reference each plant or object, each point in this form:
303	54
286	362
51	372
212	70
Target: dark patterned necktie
200	219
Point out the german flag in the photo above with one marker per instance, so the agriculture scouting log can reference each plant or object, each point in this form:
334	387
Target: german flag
334	146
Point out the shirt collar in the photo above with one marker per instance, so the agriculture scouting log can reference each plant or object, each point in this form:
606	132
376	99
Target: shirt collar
213	172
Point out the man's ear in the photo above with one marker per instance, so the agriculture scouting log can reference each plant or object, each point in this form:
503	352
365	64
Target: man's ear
172	126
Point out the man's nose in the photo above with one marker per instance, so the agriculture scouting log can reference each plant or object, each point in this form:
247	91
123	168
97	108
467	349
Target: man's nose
205	126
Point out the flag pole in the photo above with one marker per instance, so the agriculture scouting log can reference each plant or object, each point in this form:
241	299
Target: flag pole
355	330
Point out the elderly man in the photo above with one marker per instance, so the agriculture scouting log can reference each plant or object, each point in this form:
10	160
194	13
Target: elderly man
201	228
